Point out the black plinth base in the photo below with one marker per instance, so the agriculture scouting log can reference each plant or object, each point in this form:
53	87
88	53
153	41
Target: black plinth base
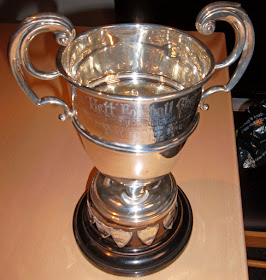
120	261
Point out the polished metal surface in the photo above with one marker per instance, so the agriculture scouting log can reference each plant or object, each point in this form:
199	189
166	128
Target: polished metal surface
135	162
19	58
115	199
136	90
244	43
140	60
132	213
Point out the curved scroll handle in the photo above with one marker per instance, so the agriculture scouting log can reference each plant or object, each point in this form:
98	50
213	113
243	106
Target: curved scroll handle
18	53
244	41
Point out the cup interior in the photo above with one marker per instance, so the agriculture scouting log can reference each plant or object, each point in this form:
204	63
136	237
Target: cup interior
136	59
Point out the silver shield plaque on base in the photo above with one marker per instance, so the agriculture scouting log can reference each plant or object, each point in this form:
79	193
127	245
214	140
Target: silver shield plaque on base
136	90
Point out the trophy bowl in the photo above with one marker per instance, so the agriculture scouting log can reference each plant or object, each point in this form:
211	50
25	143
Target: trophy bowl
136	90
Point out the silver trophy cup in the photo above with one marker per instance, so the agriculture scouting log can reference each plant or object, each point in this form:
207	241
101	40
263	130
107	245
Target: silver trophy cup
135	91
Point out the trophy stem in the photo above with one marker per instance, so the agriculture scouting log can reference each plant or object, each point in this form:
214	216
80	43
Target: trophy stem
139	229
136	191
134	194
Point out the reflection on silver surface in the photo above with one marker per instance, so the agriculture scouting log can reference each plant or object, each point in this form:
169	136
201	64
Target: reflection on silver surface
138	217
121	237
169	219
135	91
148	234
103	229
108	200
134	59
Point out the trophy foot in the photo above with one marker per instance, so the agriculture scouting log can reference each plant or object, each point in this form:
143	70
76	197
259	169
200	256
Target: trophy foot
129	258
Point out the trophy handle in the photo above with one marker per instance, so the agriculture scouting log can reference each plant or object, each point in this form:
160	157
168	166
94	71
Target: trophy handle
18	53
244	40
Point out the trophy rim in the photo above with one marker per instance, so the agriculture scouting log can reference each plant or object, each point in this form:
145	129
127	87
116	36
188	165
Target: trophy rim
159	97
